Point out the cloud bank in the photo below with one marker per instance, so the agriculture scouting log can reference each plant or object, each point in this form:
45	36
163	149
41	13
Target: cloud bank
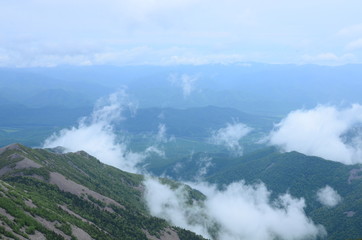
95	135
230	136
174	32
239	211
325	131
328	196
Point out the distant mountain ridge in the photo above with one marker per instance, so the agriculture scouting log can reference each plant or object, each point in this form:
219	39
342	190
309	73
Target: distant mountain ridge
31	126
192	122
270	89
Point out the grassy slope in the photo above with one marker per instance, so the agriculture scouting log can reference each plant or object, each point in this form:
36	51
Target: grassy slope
302	176
126	218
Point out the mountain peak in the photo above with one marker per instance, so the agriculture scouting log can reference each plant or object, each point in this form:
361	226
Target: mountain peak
13	146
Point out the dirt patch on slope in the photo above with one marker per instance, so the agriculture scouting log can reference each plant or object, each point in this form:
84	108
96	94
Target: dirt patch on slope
37	236
27	163
23	164
51	226
80	234
67	185
64	208
30	204
166	234
9	229
350	213
4	213
354	175
13	146
5	170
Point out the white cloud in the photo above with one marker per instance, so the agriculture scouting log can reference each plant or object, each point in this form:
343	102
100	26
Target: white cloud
185	82
171	205
155	150
328	196
161	136
328	58
204	163
95	135
230	136
324	131
238	212
353	30
145	31
357	44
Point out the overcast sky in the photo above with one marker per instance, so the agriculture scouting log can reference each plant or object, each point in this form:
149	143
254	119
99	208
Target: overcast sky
80	32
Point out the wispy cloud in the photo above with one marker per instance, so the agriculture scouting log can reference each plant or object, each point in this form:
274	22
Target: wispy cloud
204	163
96	136
325	131
161	136
356	44
328	196
328	58
160	139
351	30
239	211
185	82
230	136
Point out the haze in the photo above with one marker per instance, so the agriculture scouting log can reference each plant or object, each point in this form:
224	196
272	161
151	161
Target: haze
51	33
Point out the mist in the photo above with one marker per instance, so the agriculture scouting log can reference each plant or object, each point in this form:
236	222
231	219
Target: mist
238	211
328	196
324	131
230	137
185	81
95	134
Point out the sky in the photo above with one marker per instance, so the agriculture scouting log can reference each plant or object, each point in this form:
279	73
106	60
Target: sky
161	32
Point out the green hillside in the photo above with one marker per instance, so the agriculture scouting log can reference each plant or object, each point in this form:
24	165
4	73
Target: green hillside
73	196
300	175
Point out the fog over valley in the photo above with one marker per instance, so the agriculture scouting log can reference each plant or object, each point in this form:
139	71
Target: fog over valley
180	120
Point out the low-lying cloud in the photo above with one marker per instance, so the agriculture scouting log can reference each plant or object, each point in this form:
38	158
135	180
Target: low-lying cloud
161	136
325	131
230	136
204	163
159	139
328	196
95	135
239	211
